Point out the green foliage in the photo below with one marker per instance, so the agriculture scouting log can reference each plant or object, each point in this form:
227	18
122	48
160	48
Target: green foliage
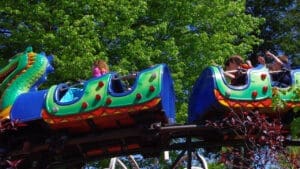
2	62
277	102
130	35
281	29
295	127
181	117
290	41
216	166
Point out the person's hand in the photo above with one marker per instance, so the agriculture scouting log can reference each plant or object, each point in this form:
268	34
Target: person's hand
248	62
269	54
229	75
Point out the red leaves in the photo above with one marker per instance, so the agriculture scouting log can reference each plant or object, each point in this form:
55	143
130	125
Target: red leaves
14	164
7	125
233	121
258	131
249	118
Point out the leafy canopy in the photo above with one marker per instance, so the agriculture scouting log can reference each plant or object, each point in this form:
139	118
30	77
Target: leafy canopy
130	35
281	30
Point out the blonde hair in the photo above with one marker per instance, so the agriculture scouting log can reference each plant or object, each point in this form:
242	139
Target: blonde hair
101	64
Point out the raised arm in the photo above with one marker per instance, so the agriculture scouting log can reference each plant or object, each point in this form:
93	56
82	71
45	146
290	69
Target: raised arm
271	55
229	75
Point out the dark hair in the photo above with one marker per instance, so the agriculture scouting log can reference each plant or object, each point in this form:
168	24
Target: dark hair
234	59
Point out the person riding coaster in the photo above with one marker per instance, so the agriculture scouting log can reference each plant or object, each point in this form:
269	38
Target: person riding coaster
279	78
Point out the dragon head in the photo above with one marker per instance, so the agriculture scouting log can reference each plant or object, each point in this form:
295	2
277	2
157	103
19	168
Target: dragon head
47	69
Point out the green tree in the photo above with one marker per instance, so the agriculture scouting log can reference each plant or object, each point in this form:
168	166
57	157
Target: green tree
281	30
130	35
280	33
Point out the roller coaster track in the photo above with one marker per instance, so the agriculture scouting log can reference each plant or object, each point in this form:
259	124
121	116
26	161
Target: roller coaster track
149	142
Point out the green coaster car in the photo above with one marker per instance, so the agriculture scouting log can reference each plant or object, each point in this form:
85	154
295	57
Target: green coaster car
97	103
212	95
